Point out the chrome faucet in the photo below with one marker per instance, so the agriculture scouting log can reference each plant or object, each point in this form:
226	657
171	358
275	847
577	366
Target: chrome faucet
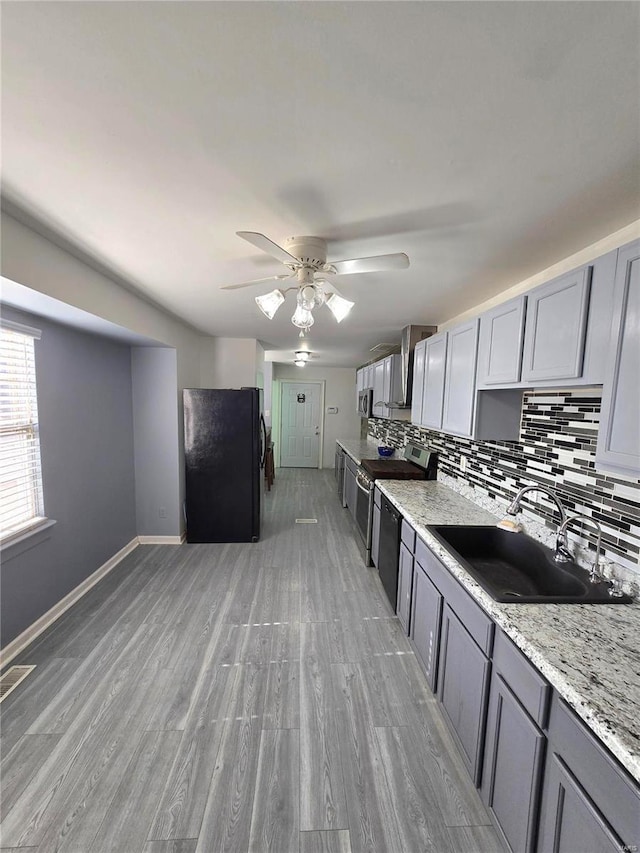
562	553
562	544
514	506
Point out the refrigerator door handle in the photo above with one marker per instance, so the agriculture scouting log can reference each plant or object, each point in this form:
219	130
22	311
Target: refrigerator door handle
263	428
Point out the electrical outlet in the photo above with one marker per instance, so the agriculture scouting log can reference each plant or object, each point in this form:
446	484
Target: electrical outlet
162	512
463	464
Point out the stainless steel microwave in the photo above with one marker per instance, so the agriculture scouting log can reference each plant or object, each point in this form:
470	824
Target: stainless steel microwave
365	403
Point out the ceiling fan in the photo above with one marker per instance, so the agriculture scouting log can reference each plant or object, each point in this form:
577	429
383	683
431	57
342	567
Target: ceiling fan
306	259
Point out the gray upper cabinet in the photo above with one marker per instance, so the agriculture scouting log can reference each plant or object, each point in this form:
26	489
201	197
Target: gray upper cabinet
500	346
379	409
555	328
619	436
417	389
460	384
434	372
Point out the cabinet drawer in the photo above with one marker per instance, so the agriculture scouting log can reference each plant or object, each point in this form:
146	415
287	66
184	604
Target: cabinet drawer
472	616
408	536
523	678
612	790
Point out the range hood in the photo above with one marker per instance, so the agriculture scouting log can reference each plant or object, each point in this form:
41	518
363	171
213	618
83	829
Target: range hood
411	335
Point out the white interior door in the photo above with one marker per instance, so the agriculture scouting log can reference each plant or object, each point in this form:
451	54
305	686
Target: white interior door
300	424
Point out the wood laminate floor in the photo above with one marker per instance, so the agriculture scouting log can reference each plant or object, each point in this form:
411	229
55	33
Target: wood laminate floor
239	697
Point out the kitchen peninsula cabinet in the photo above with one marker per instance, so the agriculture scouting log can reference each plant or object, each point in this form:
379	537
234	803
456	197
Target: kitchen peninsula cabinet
619	435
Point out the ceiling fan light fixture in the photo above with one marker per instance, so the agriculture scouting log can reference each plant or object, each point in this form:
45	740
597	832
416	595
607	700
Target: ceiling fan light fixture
270	302
339	306
299	362
302	355
303	318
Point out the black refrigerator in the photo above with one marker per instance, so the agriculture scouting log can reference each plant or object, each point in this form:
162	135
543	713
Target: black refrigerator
224	442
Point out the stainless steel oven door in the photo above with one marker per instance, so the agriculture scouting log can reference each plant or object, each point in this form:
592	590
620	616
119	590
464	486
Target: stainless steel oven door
364	511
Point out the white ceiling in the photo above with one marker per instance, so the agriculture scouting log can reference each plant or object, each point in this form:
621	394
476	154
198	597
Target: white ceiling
487	140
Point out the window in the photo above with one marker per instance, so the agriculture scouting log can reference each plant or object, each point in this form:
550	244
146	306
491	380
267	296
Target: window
21	503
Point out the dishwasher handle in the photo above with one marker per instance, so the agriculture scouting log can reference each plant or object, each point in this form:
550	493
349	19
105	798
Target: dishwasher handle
394	515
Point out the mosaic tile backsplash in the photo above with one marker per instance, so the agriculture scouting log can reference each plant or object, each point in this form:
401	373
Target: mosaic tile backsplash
557	448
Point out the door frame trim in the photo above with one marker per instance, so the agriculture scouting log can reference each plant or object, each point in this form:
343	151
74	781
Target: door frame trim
321	383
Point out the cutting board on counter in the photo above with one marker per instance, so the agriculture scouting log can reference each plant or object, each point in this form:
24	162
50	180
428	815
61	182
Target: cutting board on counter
392	469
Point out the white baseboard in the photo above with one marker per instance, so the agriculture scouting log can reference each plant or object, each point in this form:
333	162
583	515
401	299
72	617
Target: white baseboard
34	630
161	540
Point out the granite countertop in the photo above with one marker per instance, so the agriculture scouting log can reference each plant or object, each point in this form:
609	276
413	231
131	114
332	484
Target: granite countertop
360	448
589	653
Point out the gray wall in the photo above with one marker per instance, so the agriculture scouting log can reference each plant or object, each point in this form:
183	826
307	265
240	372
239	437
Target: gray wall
86	434
156	440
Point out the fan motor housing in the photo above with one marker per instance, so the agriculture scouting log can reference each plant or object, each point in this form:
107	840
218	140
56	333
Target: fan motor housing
311	251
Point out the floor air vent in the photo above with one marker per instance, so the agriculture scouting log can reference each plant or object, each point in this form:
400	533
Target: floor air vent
11	678
306	520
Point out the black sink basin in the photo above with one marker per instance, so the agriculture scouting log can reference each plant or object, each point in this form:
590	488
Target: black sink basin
513	568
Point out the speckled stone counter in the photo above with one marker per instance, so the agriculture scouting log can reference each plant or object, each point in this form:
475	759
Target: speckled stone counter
590	654
359	448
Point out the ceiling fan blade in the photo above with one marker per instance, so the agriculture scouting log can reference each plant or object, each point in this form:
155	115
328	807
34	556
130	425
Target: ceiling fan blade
255	281
378	263
268	246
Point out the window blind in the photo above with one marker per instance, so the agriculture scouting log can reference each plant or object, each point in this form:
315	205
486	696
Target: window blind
21	501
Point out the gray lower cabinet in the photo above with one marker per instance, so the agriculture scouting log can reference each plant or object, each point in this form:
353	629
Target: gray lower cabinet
405	583
571	822
514	753
589	803
426	618
463	686
514	745
548	782
619	435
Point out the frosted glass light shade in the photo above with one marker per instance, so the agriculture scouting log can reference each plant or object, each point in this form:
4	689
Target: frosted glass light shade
302	355
303	318
339	306
299	362
270	302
